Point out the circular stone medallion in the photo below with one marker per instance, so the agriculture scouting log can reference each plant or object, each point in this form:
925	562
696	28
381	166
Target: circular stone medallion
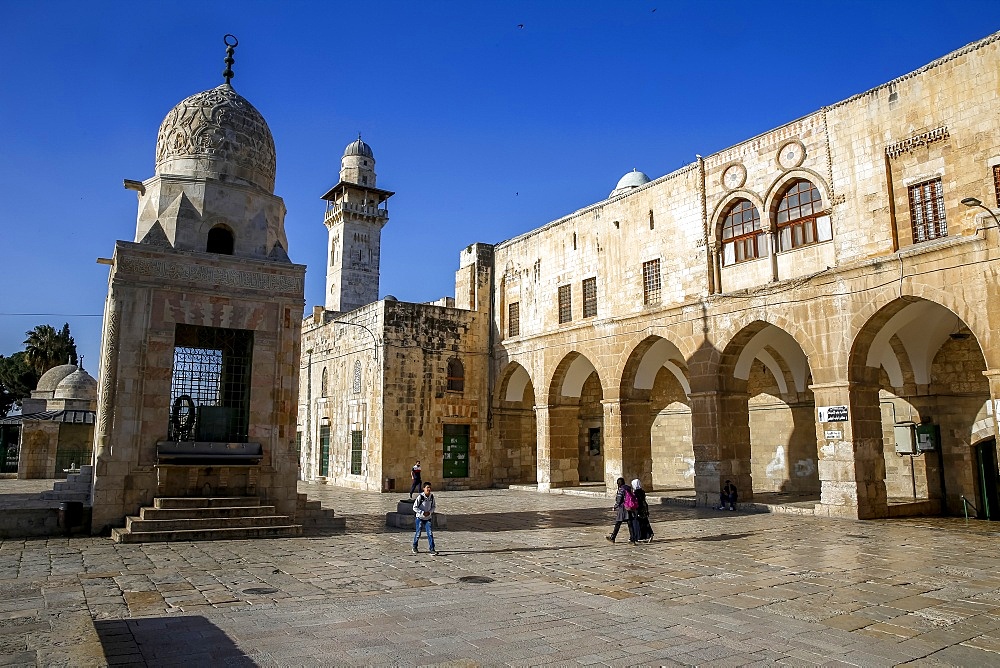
791	154
734	176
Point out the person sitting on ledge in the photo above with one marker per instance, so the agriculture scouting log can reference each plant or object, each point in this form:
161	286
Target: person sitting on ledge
728	495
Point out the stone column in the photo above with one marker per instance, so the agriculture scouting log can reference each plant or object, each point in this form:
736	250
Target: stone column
558	446
715	259
627	446
851	462
993	376
771	239
720	435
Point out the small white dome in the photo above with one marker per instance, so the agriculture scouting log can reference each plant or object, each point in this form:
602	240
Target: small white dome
77	385
51	378
358	147
633	179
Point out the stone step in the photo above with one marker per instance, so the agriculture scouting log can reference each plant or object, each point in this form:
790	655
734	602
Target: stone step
135	524
221	512
205	501
241	533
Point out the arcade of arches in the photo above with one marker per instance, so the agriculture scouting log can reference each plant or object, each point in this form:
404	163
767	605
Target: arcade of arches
689	412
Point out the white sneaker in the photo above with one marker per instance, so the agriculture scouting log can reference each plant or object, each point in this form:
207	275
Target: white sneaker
433	553
413	550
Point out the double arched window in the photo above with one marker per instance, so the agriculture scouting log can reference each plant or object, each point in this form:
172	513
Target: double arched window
798	208
742	238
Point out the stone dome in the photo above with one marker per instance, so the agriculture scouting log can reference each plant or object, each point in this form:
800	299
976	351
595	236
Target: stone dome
77	385
633	179
358	147
217	133
51	378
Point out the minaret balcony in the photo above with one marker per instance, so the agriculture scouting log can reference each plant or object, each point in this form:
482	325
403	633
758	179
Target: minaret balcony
335	209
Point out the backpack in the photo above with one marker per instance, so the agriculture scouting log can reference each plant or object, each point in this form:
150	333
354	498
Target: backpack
630	503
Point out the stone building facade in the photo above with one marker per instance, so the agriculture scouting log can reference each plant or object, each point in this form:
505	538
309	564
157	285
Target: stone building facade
809	313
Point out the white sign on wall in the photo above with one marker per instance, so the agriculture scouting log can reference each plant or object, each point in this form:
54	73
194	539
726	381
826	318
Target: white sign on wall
832	413
834	435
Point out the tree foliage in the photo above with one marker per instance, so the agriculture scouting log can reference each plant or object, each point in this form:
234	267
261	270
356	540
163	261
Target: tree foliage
46	348
17	380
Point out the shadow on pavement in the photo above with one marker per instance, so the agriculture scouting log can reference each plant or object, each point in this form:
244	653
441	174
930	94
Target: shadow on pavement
160	641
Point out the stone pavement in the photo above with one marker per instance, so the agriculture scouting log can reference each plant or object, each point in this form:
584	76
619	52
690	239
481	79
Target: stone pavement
524	579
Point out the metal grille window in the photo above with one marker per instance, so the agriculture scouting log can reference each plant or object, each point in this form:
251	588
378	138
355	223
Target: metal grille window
210	384
996	182
324	450
651	288
456	375
357	376
589	297
797	213
927	211
741	233
514	319
355	453
324	383
565	303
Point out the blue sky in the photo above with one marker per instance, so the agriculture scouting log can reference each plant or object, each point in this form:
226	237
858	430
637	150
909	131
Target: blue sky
483	128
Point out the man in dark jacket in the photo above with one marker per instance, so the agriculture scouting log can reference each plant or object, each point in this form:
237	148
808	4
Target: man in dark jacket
728	495
622	514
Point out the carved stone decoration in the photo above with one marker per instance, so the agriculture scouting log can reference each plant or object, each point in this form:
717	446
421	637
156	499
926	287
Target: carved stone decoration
223	131
109	376
734	176
791	154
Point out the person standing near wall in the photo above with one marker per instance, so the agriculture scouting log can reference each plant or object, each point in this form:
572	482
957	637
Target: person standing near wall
415	478
423	509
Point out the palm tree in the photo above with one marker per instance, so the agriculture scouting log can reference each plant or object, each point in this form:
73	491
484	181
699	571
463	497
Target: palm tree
45	348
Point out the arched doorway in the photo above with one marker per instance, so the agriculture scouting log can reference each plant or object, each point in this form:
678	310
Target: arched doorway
765	378
575	423
656	410
924	367
516	459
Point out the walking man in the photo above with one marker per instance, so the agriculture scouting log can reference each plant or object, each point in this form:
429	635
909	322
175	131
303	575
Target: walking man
423	509
415	478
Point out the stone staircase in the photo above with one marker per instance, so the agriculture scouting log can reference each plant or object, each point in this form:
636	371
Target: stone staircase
76	487
316	519
205	518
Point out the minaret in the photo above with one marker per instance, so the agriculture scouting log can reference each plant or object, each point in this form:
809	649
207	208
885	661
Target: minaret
355	215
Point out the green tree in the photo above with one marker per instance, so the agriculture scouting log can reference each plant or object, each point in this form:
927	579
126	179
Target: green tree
17	380
45	348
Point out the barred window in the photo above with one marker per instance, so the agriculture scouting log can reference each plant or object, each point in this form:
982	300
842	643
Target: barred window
514	319
456	375
589	297
565	303
651	282
741	233
797	211
356	453
996	182
927	211
324	383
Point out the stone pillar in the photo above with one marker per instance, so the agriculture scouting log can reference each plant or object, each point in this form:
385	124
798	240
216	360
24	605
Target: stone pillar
558	446
771	239
720	436
851	462
993	376
627	446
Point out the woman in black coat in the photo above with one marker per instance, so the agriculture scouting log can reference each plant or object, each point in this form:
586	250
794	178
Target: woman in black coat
621	515
643	529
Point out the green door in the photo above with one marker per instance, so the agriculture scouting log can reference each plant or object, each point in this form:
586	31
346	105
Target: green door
456	451
986	463
324	450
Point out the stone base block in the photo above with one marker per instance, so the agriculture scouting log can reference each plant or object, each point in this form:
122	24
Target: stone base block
404	518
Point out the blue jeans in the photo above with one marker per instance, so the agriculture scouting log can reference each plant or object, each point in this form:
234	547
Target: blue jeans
420	525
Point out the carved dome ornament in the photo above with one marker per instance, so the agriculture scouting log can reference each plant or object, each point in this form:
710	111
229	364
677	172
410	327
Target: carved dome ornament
791	154
217	133
734	176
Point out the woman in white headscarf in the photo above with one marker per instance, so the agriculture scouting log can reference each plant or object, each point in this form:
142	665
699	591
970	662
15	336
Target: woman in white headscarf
642	528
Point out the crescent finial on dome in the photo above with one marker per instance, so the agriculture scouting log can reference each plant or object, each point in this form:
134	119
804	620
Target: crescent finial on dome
230	48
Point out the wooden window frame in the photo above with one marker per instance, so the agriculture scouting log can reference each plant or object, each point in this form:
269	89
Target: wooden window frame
565	304
589	289
746	244
795	220
514	319
456	375
927	214
996	183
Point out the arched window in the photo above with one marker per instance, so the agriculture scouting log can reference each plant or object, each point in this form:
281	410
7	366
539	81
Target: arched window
357	376
220	240
798	209
323	384
456	375
742	238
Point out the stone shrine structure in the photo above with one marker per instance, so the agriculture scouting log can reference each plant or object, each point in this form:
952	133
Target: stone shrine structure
809	313
202	323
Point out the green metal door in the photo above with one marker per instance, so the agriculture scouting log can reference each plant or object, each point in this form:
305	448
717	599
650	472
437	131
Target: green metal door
456	451
324	450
